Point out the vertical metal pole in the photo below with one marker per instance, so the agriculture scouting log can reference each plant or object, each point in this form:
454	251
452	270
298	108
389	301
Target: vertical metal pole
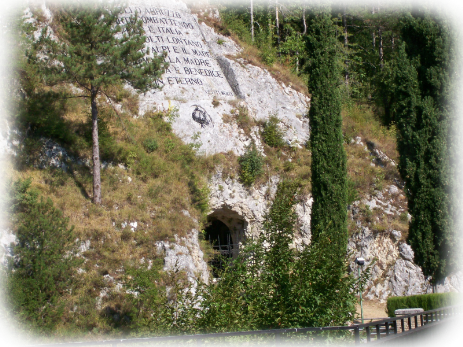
357	335
360	294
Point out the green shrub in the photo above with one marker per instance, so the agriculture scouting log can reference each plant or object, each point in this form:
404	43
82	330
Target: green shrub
17	197
426	302
43	270
251	164
150	145
272	134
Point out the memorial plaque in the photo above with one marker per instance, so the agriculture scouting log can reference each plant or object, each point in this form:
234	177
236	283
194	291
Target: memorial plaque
206	84
193	71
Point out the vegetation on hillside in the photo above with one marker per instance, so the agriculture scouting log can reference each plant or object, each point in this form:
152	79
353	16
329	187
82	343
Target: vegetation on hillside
271	284
397	62
152	178
419	92
95	53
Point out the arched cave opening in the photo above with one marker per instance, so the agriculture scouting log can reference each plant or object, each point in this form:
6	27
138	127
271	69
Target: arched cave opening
219	235
225	231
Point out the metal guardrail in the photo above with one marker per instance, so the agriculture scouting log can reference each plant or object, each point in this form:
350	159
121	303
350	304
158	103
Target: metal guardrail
374	331
199	338
391	326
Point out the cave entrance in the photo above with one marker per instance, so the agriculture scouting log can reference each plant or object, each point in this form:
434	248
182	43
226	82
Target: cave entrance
225	231
219	235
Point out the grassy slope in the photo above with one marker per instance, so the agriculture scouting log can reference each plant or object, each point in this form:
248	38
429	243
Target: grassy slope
155	187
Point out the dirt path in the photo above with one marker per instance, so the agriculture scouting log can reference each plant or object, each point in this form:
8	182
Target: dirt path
372	309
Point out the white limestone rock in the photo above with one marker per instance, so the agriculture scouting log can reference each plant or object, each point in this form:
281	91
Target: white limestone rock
406	251
243	209
185	254
203	86
7	242
407	279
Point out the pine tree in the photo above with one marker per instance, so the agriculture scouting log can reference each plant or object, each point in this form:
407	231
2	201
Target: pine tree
93	52
43	271
429	113
329	209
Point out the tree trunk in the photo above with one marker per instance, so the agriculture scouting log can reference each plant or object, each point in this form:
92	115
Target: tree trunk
277	22
381	53
380	36
270	29
373	34
96	150
252	22
304	21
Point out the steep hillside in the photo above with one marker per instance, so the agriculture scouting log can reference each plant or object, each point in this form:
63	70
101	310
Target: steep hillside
173	176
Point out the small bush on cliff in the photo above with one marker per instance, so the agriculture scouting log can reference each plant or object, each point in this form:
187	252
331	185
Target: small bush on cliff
17	196
150	145
250	165
272	134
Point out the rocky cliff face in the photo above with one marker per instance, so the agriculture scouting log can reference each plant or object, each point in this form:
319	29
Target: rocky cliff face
205	85
390	258
205	82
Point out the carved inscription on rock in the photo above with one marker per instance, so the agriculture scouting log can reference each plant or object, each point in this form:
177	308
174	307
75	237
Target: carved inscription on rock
177	35
201	116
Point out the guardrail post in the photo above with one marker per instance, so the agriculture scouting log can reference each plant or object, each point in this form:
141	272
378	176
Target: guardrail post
402	323
357	335
416	322
367	329
409	323
387	328
421	319
395	327
378	333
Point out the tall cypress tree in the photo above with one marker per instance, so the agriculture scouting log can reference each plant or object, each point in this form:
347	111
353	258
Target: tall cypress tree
421	86
94	52
329	210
